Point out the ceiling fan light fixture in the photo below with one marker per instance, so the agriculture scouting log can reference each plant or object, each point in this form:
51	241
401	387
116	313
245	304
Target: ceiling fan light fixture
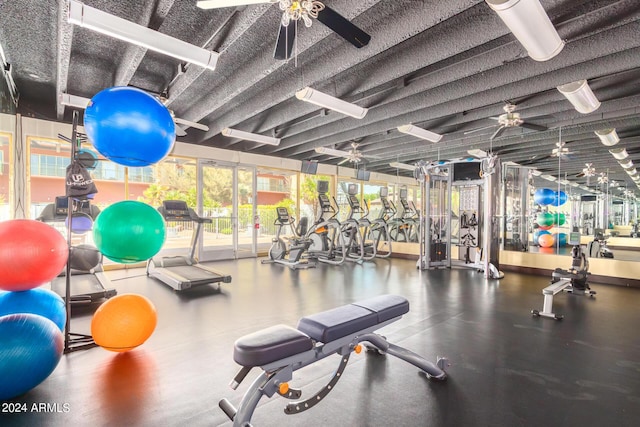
619	153
531	25
110	25
403	166
248	136
580	96
320	99
608	137
420	133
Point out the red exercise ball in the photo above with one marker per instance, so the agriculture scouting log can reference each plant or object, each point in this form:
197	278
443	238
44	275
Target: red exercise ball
31	254
545	227
123	322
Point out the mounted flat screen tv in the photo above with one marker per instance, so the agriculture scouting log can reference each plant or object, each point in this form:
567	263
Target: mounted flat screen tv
309	167
466	171
363	175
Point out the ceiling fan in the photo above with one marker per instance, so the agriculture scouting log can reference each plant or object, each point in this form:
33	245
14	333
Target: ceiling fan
509	119
294	11
354	155
561	151
181	124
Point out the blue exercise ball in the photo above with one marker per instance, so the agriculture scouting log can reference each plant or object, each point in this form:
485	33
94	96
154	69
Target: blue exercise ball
31	348
42	302
129	127
559	198
81	223
561	238
544	196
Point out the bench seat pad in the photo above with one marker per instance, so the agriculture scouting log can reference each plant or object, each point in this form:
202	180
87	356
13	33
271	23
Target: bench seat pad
270	344
339	322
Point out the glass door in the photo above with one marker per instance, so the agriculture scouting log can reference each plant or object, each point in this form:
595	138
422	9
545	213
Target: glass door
227	197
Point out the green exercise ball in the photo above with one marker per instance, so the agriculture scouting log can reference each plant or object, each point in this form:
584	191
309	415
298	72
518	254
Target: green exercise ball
560	218
545	219
129	232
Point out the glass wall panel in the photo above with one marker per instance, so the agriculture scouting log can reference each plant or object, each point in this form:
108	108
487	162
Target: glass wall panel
309	195
275	188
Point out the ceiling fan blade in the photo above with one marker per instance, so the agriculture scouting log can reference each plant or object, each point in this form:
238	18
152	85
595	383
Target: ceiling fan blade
534	126
341	26
286	38
190	124
215	4
343	161
180	131
478	130
498	132
493	118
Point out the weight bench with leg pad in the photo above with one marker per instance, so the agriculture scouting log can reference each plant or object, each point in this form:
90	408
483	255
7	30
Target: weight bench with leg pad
280	350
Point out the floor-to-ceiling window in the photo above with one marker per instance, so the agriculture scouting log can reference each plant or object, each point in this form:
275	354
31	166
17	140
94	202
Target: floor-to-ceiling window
5	174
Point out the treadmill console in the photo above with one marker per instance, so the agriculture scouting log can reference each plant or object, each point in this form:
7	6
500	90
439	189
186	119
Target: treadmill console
353	202
175	210
324	201
283	215
61	207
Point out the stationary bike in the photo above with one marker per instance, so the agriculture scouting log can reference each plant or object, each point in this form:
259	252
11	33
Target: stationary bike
297	245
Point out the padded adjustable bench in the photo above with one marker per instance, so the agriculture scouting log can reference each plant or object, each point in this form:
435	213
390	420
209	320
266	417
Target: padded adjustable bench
280	350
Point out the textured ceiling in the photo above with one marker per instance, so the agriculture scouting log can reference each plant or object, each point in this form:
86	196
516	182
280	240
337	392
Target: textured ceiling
444	66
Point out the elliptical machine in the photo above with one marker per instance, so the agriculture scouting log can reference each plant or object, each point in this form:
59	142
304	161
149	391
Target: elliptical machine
573	280
327	240
298	244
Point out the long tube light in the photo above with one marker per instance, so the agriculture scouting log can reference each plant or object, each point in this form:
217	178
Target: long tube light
619	153
608	137
255	137
531	25
626	164
102	22
404	166
327	101
215	4
581	96
74	101
420	133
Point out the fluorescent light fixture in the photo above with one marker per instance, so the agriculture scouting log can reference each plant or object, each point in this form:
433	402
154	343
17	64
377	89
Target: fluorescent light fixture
574	184
331	152
581	96
626	164
102	22
536	172
531	25
477	153
608	137
404	166
247	136
564	182
420	133
215	4
619	153
327	101
631	171
74	101
549	177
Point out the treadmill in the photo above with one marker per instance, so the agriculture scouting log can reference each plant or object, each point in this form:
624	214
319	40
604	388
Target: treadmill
87	286
184	272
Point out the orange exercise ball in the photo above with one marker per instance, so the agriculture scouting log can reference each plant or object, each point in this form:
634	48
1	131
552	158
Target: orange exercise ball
546	240
123	322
